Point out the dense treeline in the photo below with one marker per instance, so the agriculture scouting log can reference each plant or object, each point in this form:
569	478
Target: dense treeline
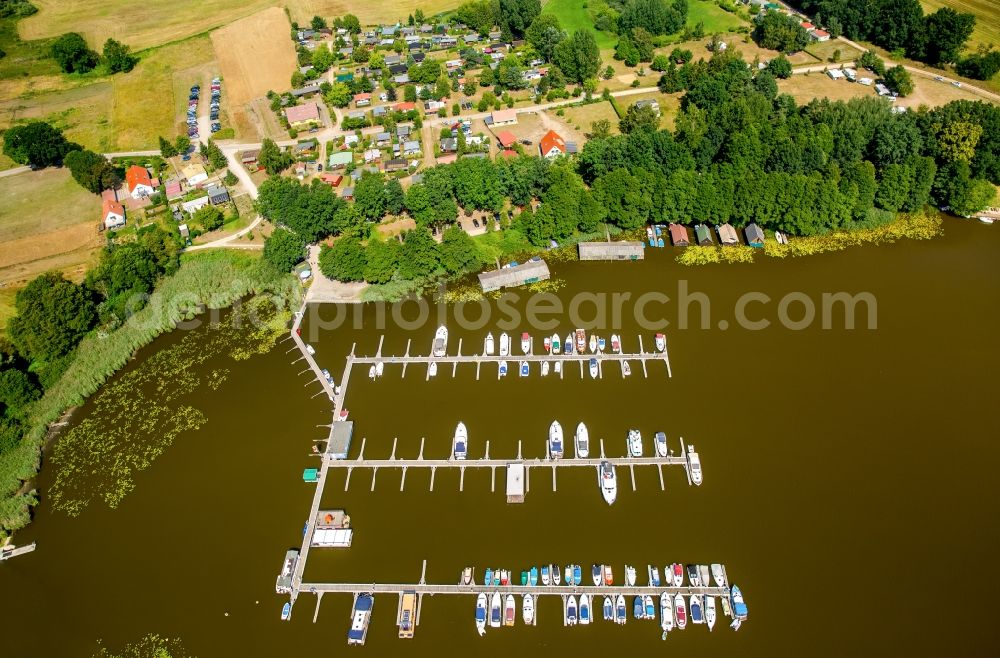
739	153
936	38
53	315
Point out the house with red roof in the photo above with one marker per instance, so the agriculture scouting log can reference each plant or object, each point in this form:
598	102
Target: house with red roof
362	100
113	213
405	107
552	145
302	115
820	35
138	182
506	138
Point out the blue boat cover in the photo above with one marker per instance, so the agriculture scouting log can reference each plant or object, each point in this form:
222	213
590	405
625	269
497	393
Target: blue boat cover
364	603
355	635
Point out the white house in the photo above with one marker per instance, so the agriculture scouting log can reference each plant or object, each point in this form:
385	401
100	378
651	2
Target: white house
139	183
504	117
552	145
194	174
114	214
373	154
195	204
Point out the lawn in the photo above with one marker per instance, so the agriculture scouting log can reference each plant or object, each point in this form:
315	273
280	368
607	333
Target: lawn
573	16
47	221
713	17
832	51
805	87
583	116
987	14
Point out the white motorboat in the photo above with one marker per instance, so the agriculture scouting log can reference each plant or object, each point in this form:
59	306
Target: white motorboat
609	609
361	616
489	347
593	344
481	613
680	611
739	606
555	440
558	367
528	609
621	613
379	368
666	613
584	609
697	613
600	344
432	369
582	441
629	575
719	574
545	368
467	576
524	369
504	344
593	368
677	574
460	444
441	341
571	611
568	344
556	344
595	574
509	610
661	342
371	372
608	481
653	572
503	369
634	443
616	344
660	443
626	369
525	343
694	465
710	612
704	575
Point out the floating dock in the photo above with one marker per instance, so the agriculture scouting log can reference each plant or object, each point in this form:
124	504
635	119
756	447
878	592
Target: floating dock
7	552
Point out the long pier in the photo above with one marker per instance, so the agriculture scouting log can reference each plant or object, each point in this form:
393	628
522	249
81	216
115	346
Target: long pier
537	590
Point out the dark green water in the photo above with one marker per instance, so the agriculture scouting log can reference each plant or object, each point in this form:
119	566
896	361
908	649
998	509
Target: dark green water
850	482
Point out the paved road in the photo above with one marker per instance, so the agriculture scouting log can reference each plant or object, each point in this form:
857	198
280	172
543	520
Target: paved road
229	241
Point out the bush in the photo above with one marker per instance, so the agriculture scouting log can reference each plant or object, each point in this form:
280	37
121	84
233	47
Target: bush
284	249
72	54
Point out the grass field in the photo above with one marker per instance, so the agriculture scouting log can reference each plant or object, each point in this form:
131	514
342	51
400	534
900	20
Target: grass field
47	221
585	115
160	23
804	88
714	17
987	14
670	104
825	51
255	55
573	16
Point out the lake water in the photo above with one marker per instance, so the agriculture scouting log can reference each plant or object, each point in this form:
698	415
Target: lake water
850	480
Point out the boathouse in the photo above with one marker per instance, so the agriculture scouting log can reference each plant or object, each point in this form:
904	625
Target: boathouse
339	442
333	529
703	235
755	236
727	234
515	482
679	235
625	250
515	275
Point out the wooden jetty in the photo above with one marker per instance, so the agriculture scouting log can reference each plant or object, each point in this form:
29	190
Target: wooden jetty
7	552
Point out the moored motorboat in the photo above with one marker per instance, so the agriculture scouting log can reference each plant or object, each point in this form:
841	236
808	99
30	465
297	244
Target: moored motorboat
488	577
680	611
441	341
489	347
582	441
666	613
710	612
634	442
467	576
593	343
609	487
503	368
509	610
555	440
432	369
327	376
661	342
481	613
568	344
525	370
504	344
545	368
626	369
654	575
504	577
706	580
620	616
584	609
629	575
286	611
650	609
581	341
609	578
593	368
577	575
595	574
496	610
697	616
379	368
601	343
694	465
497	577
546	579
555	574
616	344
361	616
719	575
693	576
738	605
533	576
568	574
547	344
558	367
660	443
556	344
524	578
609	609
460	444
677	574
525	342
371	372
571	611
528	609
638	612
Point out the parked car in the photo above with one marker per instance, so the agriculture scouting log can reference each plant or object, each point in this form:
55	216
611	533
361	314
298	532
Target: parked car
319	167
526	142
475	222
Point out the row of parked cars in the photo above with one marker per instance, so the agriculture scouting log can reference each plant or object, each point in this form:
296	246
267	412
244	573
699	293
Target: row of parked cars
214	107
192	111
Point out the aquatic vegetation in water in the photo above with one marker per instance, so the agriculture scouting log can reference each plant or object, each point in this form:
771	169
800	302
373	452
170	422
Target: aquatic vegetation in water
151	646
699	255
138	415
